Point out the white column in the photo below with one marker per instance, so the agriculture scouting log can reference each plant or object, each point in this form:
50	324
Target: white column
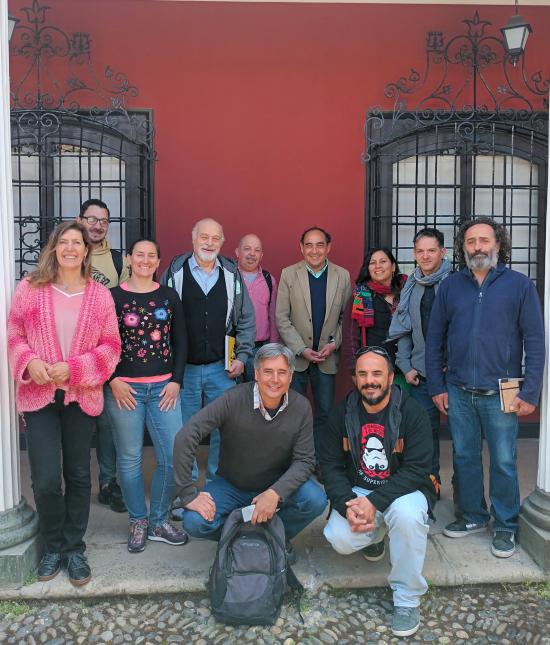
534	518
10	482
19	550
543	475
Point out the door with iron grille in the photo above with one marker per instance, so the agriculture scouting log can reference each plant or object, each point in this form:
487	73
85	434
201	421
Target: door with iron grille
73	138
475	143
59	160
435	178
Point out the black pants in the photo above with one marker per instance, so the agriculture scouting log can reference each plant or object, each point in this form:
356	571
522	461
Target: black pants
59	439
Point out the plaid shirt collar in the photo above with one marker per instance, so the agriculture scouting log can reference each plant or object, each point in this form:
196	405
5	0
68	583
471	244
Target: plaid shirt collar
258	404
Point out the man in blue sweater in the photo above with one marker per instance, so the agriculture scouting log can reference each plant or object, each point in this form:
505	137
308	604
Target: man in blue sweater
486	317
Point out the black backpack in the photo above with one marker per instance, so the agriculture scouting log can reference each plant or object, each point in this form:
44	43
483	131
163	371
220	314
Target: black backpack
248	579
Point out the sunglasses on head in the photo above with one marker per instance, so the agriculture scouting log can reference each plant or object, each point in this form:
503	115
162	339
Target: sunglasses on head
375	349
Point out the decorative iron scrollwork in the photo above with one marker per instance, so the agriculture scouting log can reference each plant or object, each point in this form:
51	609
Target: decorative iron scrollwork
40	96
457	87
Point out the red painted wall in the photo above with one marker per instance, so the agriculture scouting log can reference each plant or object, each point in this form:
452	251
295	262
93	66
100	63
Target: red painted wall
260	108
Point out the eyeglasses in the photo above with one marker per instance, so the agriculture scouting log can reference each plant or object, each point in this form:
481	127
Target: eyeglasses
375	349
104	221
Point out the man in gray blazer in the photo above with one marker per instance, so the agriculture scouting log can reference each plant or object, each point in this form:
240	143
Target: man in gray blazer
311	300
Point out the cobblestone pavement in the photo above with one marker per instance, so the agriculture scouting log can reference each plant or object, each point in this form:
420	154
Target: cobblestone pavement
498	614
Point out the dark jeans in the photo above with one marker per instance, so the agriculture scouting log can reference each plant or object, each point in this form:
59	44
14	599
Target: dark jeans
322	388
299	510
59	438
105	451
420	393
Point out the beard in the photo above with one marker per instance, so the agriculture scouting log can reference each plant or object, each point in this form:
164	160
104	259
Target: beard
481	261
206	256
374	399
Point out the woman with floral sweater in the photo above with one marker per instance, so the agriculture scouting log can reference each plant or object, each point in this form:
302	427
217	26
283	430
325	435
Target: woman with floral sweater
63	344
145	390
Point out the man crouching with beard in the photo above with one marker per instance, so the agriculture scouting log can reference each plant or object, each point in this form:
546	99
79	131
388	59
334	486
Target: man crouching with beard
376	458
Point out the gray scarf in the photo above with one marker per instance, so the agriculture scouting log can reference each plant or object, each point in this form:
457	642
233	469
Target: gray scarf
401	321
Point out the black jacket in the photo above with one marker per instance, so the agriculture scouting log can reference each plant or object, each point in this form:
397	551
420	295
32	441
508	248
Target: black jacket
407	442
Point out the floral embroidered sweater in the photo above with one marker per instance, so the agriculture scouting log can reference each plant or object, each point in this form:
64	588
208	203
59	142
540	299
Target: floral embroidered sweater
153	332
94	352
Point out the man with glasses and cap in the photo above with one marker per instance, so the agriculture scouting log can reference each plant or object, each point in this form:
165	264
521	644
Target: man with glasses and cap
109	270
376	457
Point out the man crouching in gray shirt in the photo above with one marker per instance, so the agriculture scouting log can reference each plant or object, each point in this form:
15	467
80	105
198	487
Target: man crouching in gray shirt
266	455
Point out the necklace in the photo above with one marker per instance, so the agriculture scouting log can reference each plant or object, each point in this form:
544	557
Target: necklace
70	287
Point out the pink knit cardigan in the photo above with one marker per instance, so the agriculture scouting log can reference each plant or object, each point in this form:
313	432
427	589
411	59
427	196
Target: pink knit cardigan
94	353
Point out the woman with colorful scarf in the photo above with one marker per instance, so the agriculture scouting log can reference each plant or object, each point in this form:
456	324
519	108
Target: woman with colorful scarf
375	299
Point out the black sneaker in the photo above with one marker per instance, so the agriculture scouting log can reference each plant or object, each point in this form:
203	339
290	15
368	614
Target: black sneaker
461	528
374	552
504	544
291	556
168	534
78	569
111	495
49	566
137	537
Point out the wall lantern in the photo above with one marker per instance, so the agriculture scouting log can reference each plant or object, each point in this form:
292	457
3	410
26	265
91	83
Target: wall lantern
515	34
11	25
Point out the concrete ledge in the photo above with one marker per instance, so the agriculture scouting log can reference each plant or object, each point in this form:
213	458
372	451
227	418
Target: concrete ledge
165	569
17	562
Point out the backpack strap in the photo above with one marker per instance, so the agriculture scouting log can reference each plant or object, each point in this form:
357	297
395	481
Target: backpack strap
297	588
269	282
117	261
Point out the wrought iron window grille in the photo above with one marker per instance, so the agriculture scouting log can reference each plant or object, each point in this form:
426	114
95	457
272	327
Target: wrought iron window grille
40	101
457	87
467	136
74	137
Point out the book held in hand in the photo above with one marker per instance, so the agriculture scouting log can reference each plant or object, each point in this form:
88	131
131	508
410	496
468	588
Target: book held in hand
509	388
229	351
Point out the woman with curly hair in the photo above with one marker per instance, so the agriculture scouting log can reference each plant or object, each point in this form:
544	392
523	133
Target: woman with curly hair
145	390
375	299
63	344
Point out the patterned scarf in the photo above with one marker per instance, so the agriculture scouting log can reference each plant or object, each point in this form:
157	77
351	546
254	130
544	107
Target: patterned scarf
362	308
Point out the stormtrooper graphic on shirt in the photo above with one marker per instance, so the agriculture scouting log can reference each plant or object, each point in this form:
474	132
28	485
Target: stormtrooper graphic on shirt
374	467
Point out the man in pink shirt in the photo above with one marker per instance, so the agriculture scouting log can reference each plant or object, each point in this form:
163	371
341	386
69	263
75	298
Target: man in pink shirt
262	289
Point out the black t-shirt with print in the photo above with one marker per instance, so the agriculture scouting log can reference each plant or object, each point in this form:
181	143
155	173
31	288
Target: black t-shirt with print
373	470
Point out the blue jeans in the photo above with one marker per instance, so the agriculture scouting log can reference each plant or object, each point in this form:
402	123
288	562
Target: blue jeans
128	430
470	417
105	449
301	508
420	394
201	385
322	388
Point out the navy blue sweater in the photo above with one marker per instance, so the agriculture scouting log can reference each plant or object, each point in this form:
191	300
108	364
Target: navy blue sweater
485	331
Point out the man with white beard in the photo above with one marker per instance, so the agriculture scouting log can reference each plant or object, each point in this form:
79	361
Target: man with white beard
485	319
216	306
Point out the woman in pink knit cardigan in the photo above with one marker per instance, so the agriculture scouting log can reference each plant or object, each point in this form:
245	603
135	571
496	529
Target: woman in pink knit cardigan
63	344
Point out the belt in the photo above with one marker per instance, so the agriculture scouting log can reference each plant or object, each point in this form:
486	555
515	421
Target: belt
474	390
260	343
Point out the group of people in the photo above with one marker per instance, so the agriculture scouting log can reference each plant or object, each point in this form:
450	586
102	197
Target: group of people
221	349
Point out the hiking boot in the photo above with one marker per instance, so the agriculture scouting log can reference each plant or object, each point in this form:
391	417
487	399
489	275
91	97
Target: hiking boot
111	495
78	569
138	536
461	527
504	544
405	621
49	566
291	556
374	552
168	534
